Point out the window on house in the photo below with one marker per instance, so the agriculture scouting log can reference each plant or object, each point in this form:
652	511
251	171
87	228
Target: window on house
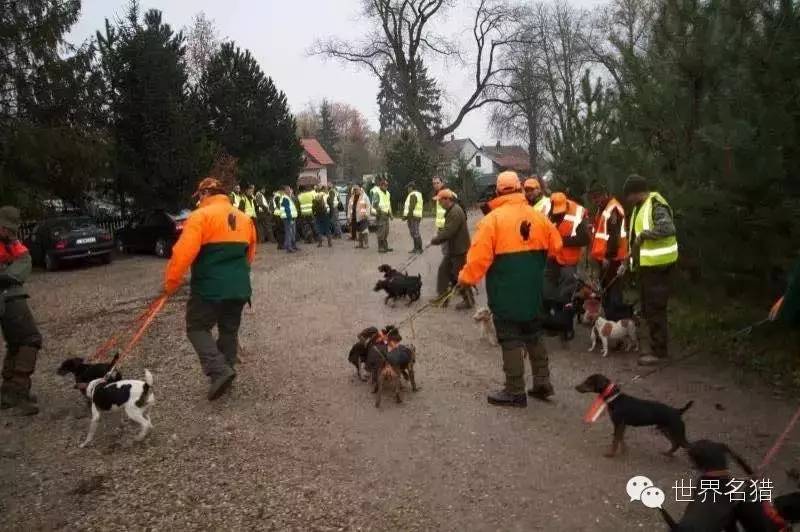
478	161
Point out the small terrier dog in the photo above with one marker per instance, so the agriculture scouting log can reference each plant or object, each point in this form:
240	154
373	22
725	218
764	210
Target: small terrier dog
483	317
616	331
85	373
134	397
398	362
358	353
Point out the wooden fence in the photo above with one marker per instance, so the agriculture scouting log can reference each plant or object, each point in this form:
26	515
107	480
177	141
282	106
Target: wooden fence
110	224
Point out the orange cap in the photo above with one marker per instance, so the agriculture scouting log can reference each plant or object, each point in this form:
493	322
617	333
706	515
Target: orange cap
208	184
445	193
532	183
508	181
559	202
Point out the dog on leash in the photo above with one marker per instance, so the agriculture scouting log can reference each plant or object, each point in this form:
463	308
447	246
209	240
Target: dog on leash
85	373
483	317
134	397
628	411
388	272
400	286
623	331
358	353
398	362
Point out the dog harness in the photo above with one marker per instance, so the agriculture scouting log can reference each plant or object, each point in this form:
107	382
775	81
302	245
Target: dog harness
600	403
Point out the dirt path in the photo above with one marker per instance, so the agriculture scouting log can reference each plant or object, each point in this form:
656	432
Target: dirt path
298	445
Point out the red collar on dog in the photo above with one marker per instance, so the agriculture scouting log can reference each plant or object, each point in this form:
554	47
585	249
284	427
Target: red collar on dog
597	407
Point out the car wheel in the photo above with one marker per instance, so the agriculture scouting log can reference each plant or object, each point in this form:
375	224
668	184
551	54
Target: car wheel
50	262
121	247
161	248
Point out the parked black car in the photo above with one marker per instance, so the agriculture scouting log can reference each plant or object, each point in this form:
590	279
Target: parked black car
154	231
67	238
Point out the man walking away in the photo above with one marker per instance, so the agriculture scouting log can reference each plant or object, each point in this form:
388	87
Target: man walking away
456	234
218	242
288	214
412	214
382	204
22	337
322	217
306	221
510	248
609	247
653	254
571	220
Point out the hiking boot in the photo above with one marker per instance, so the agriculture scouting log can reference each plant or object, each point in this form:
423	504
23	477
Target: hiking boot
23	405
504	398
221	383
542	392
650	360
26	407
388	250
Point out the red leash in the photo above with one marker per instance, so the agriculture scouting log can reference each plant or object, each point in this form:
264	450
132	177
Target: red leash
150	315
773	451
102	351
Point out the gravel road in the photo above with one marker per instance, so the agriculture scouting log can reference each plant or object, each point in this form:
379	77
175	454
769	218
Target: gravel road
298	444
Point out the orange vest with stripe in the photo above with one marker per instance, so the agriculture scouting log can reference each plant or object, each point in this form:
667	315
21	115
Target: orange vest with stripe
601	235
570	256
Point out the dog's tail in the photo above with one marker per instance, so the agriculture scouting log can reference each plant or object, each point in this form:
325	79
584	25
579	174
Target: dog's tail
148	378
685	408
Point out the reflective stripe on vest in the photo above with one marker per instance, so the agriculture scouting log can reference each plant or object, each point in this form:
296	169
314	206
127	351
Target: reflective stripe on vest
306	202
543	205
417	208
570	256
601	236
236	199
277	199
282	212
658	252
249	206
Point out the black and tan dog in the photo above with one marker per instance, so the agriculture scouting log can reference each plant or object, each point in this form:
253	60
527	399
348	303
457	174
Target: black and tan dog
400	286
388	361
85	373
358	353
629	411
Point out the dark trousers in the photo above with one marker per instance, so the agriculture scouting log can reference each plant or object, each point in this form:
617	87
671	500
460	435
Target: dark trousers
448	272
201	317
654	283
413	230
516	338
23	342
383	232
559	282
612	290
305	228
265	229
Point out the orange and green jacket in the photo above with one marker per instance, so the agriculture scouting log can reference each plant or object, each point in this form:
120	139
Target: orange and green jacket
510	248
218	242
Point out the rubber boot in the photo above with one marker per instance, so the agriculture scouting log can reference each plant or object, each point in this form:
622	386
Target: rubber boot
418	244
542	389
330	242
514	368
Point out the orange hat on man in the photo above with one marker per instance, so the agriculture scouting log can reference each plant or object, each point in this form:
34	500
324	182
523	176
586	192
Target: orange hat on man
531	183
445	193
209	184
559	202
508	181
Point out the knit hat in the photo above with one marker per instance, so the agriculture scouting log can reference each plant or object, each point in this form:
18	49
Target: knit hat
10	218
597	187
634	185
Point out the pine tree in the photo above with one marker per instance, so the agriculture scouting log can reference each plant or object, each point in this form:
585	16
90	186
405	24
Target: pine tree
249	117
328	136
396	102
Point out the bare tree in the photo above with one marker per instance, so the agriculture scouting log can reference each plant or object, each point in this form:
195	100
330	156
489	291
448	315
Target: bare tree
202	41
402	33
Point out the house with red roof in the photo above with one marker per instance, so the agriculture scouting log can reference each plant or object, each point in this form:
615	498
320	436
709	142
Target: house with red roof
316	163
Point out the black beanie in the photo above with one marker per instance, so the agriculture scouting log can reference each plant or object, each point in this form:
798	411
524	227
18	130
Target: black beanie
634	184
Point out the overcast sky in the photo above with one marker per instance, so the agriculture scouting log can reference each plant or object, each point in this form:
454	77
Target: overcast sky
279	32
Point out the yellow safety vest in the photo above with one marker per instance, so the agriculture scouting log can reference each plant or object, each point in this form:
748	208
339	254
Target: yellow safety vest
658	252
280	211
440	213
417	208
543	205
277	199
236	199
306	202
384	201
249	206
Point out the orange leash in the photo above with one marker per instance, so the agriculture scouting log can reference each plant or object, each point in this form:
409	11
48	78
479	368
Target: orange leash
151	314
102	351
778	443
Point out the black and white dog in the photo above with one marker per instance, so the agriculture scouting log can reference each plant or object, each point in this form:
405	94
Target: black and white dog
85	373
134	397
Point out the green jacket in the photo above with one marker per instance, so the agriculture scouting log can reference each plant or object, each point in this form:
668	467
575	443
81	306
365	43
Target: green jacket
455	232
790	310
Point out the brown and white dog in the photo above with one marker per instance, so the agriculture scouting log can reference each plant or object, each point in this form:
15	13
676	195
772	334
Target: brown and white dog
616	331
483	316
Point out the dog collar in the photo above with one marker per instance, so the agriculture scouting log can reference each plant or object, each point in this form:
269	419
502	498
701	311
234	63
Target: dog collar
598	406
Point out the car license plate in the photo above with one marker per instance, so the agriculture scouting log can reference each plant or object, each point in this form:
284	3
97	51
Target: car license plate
90	240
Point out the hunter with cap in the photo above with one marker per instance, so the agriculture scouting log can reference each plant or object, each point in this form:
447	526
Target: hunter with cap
454	233
653	249
510	248
412	214
572	222
218	243
609	247
22	337
535	195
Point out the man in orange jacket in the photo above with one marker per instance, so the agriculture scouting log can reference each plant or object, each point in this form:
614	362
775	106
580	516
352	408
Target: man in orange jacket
218	242
571	220
510	248
609	246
